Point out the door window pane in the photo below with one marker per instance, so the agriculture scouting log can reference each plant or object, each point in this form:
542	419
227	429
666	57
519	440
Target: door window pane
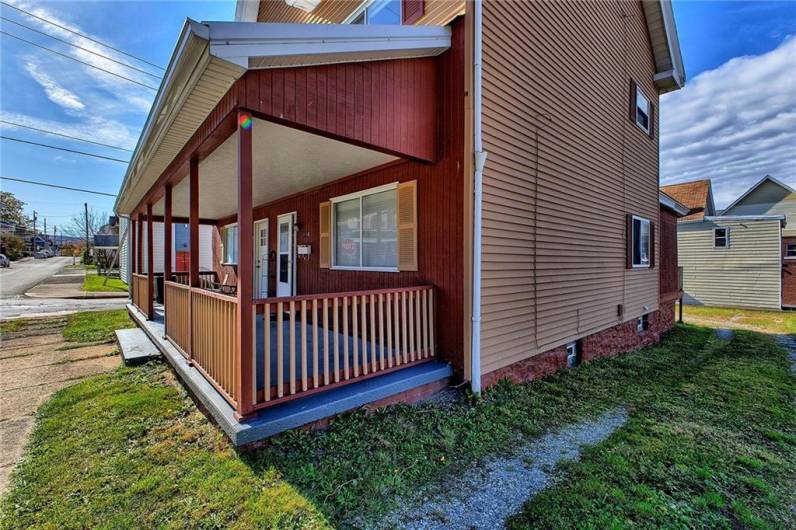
379	237
347	233
283	268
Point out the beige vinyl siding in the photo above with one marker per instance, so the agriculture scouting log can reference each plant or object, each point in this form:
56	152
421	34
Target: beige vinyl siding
437	12
553	262
747	274
769	199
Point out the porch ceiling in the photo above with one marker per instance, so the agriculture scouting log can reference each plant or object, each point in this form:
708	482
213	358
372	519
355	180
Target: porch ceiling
285	161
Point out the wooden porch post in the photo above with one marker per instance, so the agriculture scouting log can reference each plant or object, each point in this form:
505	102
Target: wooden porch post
150	264
168	245
139	257
193	222
245	343
133	245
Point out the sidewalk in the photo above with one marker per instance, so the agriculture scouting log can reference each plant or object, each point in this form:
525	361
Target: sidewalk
68	284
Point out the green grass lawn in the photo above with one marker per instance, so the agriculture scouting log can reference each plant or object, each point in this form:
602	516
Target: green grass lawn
96	326
711	441
97	283
763	321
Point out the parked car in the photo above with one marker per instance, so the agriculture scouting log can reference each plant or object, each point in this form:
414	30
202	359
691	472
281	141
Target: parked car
41	254
4	261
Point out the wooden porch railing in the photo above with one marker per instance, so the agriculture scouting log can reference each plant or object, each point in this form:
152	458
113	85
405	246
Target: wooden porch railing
205	278
140	293
314	342
214	329
177	301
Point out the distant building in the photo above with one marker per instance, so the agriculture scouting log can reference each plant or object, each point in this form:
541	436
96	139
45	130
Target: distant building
697	196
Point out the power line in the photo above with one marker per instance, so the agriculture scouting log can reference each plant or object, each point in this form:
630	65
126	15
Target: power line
64	149
78	60
65	136
82	35
48	185
81	47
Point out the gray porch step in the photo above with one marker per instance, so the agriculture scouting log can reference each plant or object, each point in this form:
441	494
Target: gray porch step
135	346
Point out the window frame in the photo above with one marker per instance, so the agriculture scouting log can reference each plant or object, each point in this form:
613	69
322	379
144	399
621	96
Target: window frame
363	10
647	112
650	250
643	323
785	256
726	237
333	228
224	261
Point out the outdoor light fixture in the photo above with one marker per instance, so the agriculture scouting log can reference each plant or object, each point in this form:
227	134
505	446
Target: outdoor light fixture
304	5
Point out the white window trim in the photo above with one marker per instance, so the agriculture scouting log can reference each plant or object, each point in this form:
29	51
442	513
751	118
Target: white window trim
333	230
786	251
633	242
223	246
635	110
726	237
363	7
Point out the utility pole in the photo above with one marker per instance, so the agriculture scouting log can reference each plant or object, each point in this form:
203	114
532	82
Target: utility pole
33	242
86	254
45	232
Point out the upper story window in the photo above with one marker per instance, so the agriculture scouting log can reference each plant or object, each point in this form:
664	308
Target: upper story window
790	251
365	230
229	244
378	12
721	237
641	251
642	110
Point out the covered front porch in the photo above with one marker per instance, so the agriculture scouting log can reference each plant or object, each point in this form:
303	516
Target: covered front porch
282	317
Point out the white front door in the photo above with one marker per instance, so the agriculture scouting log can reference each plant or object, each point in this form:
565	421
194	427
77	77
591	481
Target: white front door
261	259
285	272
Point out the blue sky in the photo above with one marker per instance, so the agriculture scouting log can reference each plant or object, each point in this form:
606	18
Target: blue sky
42	90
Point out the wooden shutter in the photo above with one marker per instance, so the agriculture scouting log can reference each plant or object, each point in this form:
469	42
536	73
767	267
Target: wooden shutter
407	226
325	239
633	101
412	10
629	242
652	119
652	245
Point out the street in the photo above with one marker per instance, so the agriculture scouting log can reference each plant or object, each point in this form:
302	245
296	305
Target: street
21	276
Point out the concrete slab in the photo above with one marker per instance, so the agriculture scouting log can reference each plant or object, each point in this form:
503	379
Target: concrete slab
135	346
297	412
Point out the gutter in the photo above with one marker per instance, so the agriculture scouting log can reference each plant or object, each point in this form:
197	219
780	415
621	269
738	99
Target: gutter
478	174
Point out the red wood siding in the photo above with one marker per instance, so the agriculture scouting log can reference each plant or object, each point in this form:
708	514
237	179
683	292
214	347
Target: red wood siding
390	105
788	274
668	254
440	199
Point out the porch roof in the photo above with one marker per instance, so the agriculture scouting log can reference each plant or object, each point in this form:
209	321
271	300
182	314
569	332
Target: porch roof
210	56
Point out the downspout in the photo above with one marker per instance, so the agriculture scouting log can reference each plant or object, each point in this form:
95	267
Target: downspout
478	173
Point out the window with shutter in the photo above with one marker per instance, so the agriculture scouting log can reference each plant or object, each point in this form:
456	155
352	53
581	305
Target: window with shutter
407	226
324	231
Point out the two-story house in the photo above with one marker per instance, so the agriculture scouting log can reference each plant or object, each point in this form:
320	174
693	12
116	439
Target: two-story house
404	195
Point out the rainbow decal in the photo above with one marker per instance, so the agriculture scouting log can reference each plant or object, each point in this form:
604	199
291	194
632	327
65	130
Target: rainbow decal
246	121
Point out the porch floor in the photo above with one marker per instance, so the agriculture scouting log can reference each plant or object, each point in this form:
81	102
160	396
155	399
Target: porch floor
291	414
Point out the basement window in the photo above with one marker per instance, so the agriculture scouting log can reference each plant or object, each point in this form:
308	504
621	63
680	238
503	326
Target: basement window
790	251
573	354
721	237
643	323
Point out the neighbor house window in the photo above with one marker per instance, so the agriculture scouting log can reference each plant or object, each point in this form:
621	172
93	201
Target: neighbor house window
790	251
229	244
721	237
641	109
364	227
641	242
378	12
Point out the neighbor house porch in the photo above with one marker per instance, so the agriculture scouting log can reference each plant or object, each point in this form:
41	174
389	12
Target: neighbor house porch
323	186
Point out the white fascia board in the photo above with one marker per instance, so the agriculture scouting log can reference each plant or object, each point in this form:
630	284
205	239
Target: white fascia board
673	42
672	204
246	10
719	218
238	43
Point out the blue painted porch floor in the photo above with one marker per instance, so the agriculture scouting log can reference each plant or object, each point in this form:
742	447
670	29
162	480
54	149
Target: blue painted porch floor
294	413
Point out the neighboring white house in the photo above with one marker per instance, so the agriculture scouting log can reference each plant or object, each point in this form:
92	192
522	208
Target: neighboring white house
732	261
180	244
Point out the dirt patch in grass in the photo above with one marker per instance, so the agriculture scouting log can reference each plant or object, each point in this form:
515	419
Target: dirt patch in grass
724	317
129	449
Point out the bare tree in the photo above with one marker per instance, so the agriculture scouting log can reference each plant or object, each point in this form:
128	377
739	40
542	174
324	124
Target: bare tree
76	227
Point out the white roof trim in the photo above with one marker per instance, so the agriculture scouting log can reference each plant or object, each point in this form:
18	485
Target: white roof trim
248	45
672	204
246	10
757	185
714	218
661	25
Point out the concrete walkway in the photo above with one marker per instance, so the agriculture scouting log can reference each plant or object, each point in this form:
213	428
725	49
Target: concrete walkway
32	368
484	497
68	284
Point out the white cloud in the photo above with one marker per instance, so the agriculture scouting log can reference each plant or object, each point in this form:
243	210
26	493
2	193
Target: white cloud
55	92
94	128
733	124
